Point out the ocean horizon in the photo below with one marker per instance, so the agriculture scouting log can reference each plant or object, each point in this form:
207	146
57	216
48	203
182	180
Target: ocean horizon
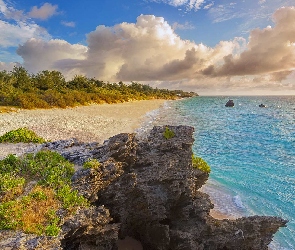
250	150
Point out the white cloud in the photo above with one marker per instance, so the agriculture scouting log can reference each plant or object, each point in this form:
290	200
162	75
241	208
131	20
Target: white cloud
208	6
68	24
254	13
44	12
14	34
189	4
10	13
20	29
185	26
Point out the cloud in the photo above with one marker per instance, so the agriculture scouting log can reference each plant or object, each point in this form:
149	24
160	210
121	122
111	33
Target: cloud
41	55
189	4
7	66
270	50
208	6
150	51
14	34
185	26
44	12
10	13
68	24
146	50
20	29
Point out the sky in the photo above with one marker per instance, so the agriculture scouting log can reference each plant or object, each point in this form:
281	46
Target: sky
225	47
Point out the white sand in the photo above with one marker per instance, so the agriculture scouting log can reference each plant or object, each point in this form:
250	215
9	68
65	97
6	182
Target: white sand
86	123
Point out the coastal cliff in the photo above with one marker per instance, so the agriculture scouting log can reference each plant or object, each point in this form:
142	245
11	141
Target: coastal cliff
146	189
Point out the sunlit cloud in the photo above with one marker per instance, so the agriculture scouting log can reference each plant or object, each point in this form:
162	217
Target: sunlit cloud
44	12
269	50
151	52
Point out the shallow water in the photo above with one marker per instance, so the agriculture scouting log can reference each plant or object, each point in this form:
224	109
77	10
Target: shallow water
250	151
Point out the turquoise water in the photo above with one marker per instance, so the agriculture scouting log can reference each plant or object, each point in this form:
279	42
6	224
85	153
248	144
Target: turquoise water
251	151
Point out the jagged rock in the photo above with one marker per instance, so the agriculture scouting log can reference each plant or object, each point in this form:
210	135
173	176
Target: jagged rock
89	181
90	228
147	189
12	240
162	205
72	149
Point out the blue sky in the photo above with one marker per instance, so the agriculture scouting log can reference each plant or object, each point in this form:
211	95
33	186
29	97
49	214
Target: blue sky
212	47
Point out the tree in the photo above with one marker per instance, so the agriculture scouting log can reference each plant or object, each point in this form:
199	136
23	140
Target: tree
21	78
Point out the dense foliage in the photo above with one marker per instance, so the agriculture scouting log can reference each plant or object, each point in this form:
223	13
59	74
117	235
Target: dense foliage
34	210
48	89
200	164
21	135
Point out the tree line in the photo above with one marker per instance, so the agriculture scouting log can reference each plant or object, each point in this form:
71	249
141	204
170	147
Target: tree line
48	89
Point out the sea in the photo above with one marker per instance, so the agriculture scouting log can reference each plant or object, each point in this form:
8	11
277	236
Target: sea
251	152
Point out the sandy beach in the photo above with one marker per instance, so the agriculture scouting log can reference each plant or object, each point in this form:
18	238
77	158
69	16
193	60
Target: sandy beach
86	123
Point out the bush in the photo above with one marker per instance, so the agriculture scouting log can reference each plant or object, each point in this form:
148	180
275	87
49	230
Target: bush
36	212
21	135
199	163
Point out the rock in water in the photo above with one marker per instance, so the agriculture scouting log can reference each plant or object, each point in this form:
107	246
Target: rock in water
146	189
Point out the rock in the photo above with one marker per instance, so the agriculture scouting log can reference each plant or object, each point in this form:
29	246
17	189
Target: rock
163	208
12	240
72	149
230	103
146	189
90	228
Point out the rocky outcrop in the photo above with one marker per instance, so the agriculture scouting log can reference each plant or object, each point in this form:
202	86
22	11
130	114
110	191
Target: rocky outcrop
147	189
90	228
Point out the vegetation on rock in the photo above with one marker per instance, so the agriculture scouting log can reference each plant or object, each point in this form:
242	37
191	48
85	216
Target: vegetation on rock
21	135
91	163
32	189
200	164
168	133
49	89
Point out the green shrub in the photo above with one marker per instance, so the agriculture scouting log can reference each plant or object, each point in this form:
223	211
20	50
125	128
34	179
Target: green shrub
9	181
21	135
168	133
91	163
199	163
36	212
70	198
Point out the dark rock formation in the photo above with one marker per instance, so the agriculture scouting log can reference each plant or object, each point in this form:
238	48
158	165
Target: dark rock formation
230	103
90	228
147	189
